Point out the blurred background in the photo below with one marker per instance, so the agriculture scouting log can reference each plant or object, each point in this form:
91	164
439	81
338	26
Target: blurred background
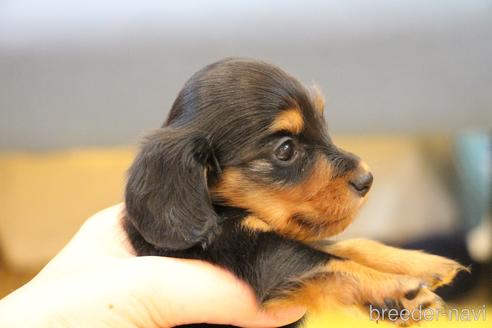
408	87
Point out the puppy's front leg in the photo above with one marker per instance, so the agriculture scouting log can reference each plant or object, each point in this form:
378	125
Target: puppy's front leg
349	284
434	270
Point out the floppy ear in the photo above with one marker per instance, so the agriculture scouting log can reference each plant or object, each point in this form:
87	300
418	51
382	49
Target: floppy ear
167	198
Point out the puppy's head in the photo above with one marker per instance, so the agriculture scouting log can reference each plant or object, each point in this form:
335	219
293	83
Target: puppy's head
245	134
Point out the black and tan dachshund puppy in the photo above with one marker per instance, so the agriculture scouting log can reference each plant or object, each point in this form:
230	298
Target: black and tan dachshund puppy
243	174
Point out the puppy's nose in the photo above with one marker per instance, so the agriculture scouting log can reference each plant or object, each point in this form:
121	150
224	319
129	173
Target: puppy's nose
361	182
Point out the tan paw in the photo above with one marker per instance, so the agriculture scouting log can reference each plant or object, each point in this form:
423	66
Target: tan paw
434	270
403	301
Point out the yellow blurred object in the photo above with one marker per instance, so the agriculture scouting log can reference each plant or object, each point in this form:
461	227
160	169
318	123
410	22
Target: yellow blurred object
45	197
341	319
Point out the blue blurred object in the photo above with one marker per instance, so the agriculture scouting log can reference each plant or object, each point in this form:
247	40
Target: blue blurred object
474	168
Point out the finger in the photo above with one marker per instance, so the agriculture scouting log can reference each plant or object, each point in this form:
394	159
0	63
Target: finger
189	291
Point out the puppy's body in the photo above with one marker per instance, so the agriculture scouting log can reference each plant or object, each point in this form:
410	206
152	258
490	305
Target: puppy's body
244	175
269	262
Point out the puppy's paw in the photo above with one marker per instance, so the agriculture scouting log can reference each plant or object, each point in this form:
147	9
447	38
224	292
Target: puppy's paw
434	270
402	300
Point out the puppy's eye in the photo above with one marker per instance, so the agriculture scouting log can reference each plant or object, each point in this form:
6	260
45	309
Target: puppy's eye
285	152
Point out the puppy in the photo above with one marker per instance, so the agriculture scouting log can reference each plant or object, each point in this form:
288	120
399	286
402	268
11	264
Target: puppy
243	174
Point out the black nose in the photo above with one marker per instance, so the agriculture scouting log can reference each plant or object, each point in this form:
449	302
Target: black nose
361	183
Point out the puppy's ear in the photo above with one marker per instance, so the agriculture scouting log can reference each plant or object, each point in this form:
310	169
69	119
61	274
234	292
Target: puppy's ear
167	198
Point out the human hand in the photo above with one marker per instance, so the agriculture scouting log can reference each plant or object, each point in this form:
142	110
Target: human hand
97	281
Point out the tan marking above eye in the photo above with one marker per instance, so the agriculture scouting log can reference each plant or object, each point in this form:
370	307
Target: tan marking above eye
289	120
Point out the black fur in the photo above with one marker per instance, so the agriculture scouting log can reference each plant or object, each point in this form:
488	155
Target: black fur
167	198
269	262
220	119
